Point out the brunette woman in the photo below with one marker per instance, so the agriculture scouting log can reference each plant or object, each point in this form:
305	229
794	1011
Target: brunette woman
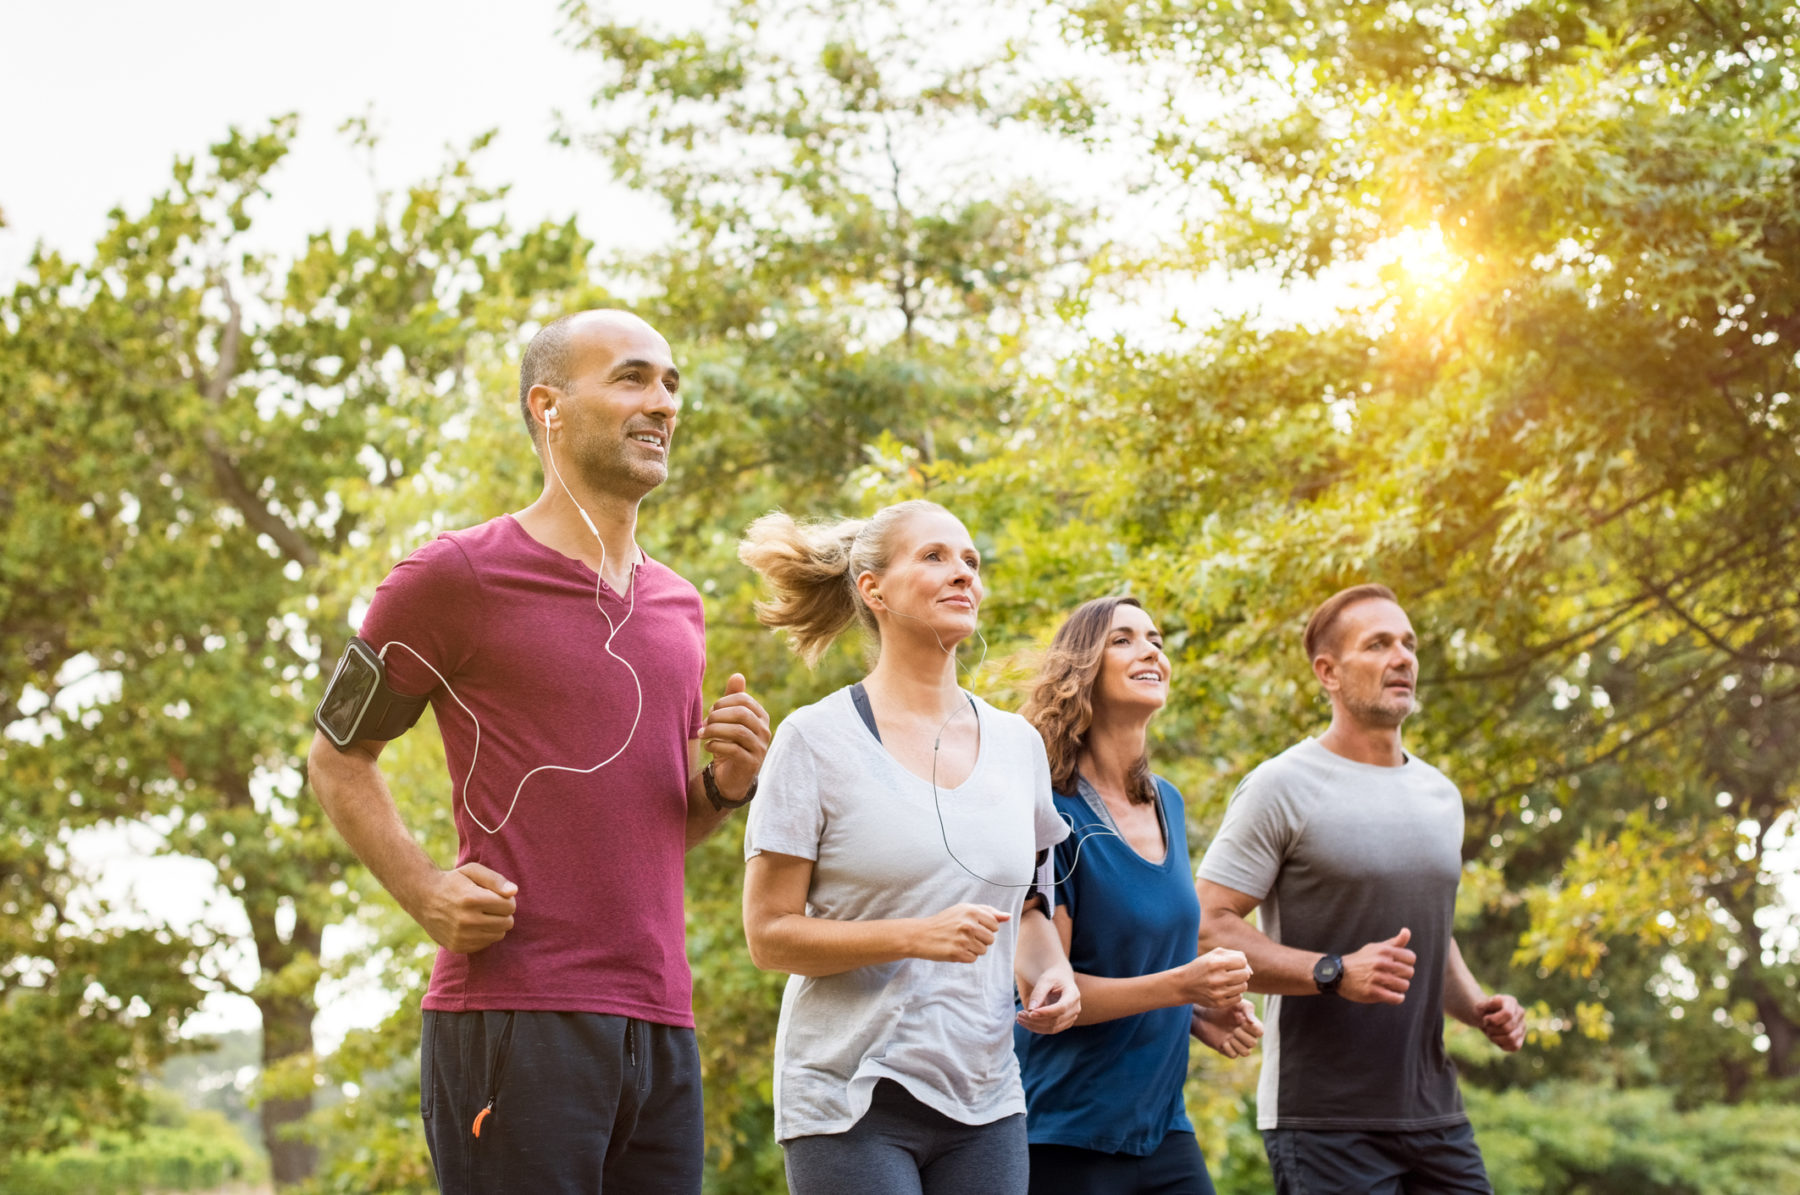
1106	1107
889	853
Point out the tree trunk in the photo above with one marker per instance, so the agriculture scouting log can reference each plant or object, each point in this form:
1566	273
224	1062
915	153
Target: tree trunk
287	1031
287	1021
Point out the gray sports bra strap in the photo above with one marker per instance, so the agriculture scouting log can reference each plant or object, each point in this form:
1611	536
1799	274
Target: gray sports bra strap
860	698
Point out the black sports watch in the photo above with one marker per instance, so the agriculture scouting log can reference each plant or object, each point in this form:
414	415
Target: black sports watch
358	703
1328	972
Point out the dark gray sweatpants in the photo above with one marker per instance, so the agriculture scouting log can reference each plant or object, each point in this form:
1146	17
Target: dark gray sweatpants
902	1147
580	1102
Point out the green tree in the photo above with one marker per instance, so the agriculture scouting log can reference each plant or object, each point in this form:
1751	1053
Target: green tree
197	429
1557	417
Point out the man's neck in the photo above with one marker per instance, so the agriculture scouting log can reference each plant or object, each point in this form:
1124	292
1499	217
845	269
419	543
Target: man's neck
609	547
1375	745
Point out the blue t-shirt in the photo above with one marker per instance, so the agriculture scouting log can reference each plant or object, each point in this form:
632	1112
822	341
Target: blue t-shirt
1116	1087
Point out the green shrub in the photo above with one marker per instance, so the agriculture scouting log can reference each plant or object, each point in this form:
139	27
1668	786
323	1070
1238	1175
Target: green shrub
201	1152
1603	1141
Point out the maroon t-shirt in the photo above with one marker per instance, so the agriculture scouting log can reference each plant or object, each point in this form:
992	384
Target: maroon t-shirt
598	858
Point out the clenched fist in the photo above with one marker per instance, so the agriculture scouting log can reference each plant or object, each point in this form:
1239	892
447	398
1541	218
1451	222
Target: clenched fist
960	934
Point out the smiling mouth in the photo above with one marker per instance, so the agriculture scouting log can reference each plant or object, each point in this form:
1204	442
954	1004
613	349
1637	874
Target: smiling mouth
1155	676
651	438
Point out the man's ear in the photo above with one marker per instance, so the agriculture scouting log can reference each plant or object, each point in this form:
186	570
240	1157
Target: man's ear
1325	668
541	398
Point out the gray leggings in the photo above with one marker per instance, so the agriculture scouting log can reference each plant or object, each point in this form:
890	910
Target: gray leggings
902	1147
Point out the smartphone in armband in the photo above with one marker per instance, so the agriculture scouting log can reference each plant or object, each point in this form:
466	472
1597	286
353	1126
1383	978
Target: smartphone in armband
358	703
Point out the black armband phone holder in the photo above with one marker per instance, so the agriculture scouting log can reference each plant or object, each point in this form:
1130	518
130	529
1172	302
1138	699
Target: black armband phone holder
358	703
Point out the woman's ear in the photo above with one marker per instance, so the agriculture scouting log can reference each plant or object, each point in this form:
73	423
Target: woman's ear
870	589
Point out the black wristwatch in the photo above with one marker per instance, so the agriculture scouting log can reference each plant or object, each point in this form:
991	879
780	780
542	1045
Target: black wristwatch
1328	972
718	798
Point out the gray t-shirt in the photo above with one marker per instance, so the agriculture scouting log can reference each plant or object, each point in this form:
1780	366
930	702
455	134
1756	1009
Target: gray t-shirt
1342	854
830	792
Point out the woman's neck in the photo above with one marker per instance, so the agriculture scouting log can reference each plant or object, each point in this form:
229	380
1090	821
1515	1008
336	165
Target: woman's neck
914	675
1112	749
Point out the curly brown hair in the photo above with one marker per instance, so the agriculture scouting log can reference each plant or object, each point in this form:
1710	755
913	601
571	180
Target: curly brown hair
1061	704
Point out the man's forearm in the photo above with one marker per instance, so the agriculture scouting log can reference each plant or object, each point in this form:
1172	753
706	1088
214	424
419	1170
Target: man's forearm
355	797
1462	994
1276	969
702	818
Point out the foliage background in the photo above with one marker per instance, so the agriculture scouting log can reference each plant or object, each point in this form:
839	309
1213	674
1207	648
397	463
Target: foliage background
1527	356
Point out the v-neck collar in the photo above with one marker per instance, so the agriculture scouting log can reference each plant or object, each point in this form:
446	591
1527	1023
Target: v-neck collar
1097	804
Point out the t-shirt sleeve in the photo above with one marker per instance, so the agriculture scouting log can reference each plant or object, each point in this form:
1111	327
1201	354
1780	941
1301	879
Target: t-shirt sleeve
1254	839
429	609
1065	862
788	815
1047	824
697	712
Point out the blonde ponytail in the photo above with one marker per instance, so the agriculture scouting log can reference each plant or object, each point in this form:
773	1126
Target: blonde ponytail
811	570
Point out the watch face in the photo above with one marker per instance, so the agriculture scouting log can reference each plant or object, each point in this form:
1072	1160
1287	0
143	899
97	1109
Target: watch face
1327	970
348	695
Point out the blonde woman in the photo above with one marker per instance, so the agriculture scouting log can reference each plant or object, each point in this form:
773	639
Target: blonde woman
1106	1110
889	854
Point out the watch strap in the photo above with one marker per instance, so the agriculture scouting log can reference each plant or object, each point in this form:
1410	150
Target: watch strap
719	803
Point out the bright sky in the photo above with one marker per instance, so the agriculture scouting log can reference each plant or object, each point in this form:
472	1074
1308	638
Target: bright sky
101	96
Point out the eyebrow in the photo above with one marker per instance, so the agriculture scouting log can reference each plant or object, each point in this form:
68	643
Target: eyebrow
1122	629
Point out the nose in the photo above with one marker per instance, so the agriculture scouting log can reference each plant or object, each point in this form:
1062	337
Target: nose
660	400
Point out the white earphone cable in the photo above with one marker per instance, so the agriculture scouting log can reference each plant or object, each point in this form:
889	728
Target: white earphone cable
612	633
937	741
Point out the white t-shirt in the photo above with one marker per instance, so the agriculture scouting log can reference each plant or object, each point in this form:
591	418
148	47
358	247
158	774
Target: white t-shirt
831	793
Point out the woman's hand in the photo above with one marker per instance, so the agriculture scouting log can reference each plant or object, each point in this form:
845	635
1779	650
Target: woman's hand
960	934
1232	1031
1054	1002
1217	979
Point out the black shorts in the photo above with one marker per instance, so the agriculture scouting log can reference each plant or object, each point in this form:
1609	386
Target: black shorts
1351	1162
581	1102
1175	1167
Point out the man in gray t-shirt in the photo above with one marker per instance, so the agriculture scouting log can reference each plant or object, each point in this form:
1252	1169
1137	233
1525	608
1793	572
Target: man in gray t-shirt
1353	848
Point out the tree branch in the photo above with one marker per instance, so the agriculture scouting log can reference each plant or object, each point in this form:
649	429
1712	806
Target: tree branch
225	471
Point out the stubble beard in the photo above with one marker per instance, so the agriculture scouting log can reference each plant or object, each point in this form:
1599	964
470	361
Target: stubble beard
615	470
1381	712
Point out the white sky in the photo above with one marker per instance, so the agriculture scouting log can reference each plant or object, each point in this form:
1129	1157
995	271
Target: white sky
101	96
